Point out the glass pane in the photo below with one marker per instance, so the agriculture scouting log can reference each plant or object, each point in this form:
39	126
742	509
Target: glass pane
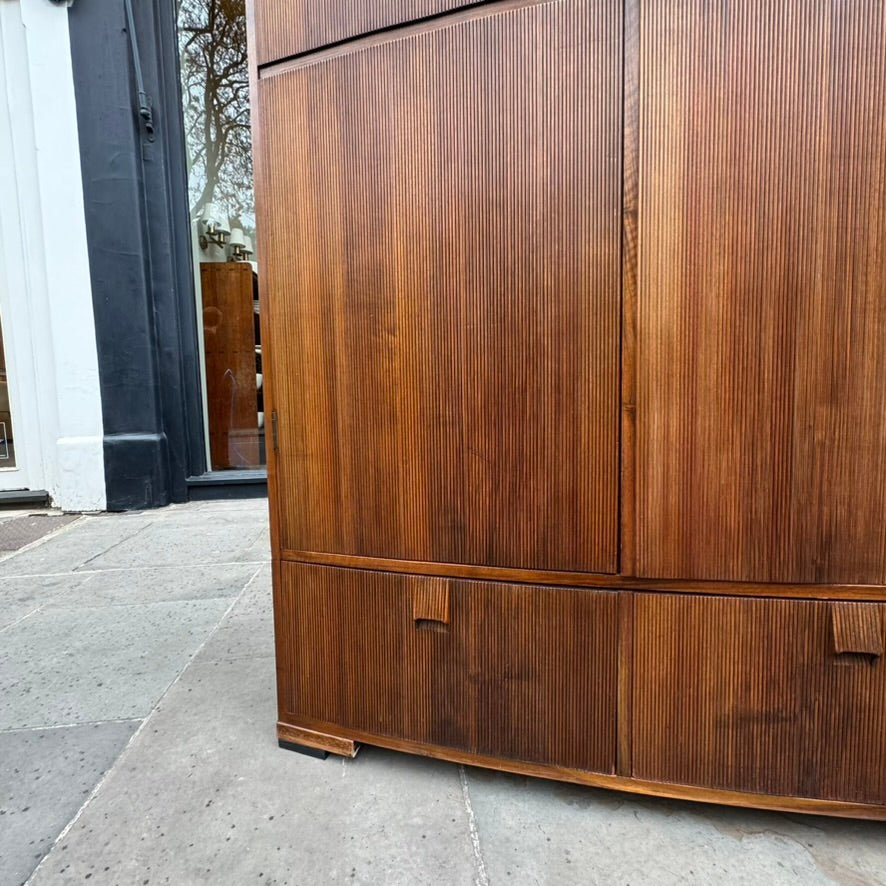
215	91
232	355
7	441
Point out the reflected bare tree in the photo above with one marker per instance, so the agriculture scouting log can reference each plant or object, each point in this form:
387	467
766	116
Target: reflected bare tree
215	88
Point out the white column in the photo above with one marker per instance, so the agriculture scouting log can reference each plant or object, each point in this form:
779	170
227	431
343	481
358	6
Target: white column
47	303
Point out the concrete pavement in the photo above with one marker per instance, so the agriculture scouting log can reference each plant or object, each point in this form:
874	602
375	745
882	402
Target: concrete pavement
137	746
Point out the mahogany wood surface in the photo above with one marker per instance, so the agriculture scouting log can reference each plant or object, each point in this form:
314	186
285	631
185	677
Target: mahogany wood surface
229	342
761	416
322	741
290	27
595	580
751	695
573	316
630	196
493	681
858	628
266	298
450	318
625	719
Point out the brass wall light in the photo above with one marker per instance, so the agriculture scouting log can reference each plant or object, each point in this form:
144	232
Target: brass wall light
215	227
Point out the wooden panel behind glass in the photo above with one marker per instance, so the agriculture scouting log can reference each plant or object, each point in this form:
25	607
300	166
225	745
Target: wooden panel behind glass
289	27
761	414
519	672
442	218
751	695
229	342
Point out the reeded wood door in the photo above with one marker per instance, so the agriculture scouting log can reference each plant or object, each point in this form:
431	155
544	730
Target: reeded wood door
442	255
289	27
515	671
794	708
761	339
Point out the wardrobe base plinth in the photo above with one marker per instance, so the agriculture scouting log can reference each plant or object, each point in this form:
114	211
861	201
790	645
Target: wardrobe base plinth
314	744
626	784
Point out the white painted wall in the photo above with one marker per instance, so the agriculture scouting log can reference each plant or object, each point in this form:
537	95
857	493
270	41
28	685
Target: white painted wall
45	290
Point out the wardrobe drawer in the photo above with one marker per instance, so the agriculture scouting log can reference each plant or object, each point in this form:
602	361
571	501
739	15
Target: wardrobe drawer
504	670
287	27
772	696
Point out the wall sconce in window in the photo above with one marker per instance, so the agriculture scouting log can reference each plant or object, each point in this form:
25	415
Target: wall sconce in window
240	245
215	227
237	245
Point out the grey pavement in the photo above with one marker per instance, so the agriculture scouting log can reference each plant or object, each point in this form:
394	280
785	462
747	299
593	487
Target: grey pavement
137	746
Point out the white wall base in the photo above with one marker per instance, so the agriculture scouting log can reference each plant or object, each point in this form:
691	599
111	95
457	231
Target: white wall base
76	486
45	287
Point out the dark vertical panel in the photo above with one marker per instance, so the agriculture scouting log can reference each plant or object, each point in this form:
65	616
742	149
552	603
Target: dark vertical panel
139	253
443	218
761	425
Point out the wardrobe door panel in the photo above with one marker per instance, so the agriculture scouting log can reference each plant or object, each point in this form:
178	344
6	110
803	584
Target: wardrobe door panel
782	697
442	270
285	28
761	414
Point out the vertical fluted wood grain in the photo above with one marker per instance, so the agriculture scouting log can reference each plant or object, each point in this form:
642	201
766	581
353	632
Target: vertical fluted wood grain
442	228
761	416
289	27
751	695
858	628
629	259
523	673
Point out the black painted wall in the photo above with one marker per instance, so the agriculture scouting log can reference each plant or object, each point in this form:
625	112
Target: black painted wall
137	224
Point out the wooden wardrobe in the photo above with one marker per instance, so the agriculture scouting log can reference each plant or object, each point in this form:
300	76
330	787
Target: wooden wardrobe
575	350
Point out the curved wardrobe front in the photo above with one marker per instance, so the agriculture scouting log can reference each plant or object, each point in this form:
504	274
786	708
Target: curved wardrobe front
574	325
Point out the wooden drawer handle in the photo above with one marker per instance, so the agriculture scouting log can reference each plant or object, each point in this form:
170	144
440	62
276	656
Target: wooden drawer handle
430	604
858	628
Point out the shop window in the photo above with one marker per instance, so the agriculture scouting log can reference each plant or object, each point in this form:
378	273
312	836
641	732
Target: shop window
215	97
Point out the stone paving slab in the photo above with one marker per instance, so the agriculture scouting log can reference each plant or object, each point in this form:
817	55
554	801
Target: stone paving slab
74	546
45	777
248	630
87	664
536	831
247	637
257	597
259	550
39	590
252	512
122	587
203	795
26	594
162	544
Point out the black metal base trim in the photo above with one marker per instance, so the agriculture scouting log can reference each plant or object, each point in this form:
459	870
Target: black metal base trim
136	471
214	478
216	485
33	497
302	749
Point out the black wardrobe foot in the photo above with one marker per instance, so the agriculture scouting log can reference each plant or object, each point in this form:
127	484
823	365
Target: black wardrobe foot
302	749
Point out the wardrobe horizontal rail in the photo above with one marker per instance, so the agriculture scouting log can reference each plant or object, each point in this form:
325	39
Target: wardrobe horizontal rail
391	33
874	593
